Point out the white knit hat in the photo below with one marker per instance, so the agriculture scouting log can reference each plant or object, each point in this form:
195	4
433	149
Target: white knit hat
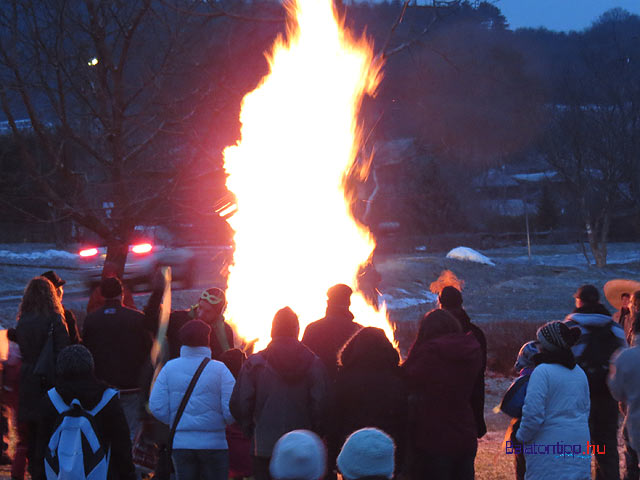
366	453
298	455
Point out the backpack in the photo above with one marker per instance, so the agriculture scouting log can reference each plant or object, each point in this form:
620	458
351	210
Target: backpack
594	360
74	451
513	399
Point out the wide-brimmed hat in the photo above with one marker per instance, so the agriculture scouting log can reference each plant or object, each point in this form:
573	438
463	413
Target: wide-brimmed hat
614	289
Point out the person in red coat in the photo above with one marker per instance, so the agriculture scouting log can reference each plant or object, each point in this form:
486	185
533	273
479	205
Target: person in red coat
441	371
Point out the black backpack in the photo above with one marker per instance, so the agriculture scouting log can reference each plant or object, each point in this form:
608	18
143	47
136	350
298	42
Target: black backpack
594	360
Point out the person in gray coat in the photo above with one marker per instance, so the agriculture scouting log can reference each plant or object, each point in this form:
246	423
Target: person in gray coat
624	384
280	389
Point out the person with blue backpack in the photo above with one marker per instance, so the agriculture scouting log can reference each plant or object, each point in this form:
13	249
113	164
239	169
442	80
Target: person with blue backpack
85	432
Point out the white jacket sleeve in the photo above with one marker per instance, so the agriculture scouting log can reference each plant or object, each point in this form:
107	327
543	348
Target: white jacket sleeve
227	382
159	398
533	411
616	380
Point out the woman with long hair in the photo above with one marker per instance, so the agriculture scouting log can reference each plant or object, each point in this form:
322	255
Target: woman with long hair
369	391
40	316
441	370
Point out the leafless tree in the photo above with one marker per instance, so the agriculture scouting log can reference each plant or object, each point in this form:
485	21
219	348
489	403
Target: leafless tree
114	93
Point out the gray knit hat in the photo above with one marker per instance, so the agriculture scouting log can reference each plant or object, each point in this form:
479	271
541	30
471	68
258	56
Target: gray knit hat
298	455
368	452
554	336
74	360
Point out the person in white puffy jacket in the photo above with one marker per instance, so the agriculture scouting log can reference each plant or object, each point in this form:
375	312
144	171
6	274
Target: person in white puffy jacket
200	447
555	418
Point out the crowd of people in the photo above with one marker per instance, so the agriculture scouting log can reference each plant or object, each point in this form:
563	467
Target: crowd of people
339	402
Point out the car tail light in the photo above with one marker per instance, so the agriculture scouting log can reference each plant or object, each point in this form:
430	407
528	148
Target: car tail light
88	252
142	248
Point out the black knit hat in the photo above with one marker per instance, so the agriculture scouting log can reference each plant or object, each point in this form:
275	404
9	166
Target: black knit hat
53	278
111	287
285	324
556	335
195	333
74	360
450	297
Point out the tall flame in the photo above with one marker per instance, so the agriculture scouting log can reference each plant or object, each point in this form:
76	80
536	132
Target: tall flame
294	233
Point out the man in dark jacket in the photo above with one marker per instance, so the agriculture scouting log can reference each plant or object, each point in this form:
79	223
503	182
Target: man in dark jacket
120	341
600	338
450	300
75	379
69	317
279	389
327	336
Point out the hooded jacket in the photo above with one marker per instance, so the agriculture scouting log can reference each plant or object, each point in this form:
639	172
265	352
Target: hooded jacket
325	337
441	374
279	389
477	398
202	425
110	423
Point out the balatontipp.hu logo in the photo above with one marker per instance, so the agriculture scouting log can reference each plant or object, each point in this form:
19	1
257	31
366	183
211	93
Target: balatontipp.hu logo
557	449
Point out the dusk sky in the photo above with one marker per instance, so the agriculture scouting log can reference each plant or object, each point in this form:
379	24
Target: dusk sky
559	15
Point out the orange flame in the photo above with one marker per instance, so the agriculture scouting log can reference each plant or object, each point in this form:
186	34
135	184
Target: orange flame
294	232
446	279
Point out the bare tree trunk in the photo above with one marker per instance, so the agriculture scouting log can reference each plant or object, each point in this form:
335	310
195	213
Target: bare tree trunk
116	256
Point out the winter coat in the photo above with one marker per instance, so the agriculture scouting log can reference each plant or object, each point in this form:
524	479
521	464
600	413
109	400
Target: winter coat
477	398
441	375
120	342
327	336
556	410
177	319
202	425
279	389
110	423
368	396
624	384
590	317
31	334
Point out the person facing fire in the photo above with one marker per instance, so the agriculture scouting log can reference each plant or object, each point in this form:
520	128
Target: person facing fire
327	336
120	341
450	300
282	388
69	316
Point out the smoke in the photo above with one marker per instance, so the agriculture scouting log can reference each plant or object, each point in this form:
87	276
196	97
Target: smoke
446	279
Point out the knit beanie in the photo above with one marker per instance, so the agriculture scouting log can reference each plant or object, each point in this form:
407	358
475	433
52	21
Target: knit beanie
74	360
298	455
285	324
195	333
554	336
367	452
450	297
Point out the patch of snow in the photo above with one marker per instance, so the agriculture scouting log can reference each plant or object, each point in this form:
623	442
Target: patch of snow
421	248
36	255
469	255
398	301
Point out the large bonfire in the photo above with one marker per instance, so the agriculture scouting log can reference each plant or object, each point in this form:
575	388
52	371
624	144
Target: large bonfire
294	232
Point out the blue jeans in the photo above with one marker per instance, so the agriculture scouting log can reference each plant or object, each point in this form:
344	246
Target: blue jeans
201	464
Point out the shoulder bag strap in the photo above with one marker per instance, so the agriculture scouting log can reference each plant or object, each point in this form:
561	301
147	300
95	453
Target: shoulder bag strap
185	400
